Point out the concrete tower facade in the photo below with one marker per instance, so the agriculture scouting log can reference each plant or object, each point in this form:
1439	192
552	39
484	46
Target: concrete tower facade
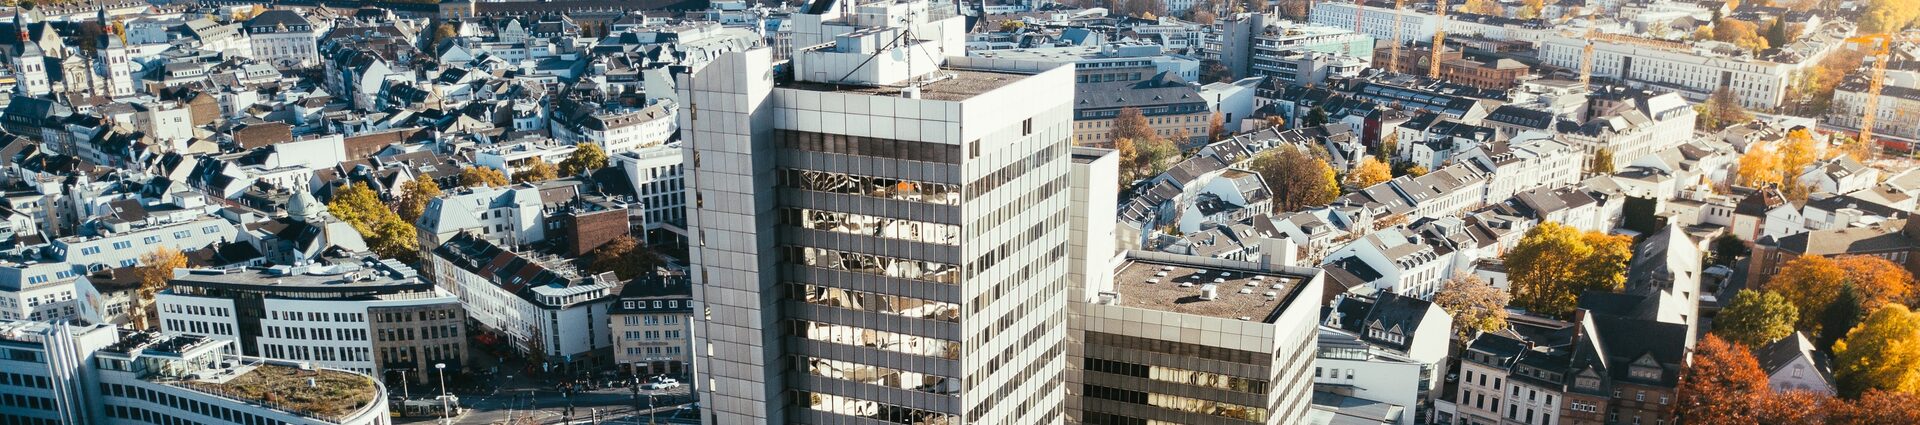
879	226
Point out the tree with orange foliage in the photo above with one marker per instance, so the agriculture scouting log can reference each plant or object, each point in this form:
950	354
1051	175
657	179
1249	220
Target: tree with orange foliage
1723	386
1800	408
1879	281
1875	408
1811	282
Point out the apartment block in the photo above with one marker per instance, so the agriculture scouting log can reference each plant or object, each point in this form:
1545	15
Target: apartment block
652	325
538	302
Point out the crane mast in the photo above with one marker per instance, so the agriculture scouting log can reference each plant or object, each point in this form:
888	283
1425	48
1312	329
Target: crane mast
1439	39
1586	56
1393	55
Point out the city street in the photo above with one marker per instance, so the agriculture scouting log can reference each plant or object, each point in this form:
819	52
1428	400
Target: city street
612	405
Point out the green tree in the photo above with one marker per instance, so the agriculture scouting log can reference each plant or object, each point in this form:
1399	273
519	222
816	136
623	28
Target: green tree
1146	158
1476	306
1777	32
1756	318
1882	353
586	157
482	177
1554	263
624	256
538	171
1316	117
443	32
1297	179
1840	316
1727	249
1213	71
414	197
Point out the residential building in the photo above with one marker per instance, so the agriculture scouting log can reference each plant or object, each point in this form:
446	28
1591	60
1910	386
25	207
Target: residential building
1795	364
616	130
538	303
1394	260
1637	125
652	322
846	174
284	39
1897	106
121	240
1181	339
1623	370
367	315
1892	240
80	373
1173	108
512	215
1393	332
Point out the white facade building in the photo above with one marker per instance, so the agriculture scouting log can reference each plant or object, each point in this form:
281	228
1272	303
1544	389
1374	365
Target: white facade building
335	320
552	309
1696	71
659	181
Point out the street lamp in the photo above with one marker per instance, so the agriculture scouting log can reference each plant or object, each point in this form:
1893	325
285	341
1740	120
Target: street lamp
444	411
405	393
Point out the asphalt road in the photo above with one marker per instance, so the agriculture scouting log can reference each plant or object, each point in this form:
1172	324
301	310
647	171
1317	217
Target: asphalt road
544	407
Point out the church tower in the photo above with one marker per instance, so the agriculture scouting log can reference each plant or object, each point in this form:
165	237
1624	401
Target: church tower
112	58
29	64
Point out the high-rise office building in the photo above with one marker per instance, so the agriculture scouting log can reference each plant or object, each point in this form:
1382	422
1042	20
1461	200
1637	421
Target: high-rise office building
879	227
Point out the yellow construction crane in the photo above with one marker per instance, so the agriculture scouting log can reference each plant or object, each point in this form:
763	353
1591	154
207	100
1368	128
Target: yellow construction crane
1439	39
1393	55
1586	55
1881	46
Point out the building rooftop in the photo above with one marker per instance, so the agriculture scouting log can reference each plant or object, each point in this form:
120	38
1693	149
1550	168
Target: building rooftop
317	393
364	273
1240	294
948	84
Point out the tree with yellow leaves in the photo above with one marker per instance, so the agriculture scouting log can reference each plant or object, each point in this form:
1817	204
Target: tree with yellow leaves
1882	353
482	176
1760	166
1296	177
1370	172
155	270
1554	263
1530	9
1483	7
